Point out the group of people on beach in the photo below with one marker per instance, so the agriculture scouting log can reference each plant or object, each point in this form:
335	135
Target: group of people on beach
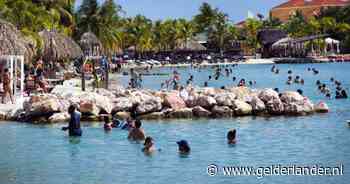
136	132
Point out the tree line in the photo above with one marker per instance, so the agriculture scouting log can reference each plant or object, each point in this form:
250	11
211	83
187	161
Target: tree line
117	32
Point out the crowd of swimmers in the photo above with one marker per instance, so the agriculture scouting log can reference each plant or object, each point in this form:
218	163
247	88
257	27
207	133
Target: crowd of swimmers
340	92
136	132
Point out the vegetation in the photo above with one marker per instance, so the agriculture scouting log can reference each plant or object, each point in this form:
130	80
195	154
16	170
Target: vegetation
142	34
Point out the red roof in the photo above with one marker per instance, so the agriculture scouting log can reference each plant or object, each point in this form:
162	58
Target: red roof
301	3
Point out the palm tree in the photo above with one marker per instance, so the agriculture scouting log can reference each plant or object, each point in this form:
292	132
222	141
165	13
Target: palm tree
251	28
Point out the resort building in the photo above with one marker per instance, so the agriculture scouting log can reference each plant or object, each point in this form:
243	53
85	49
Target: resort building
308	8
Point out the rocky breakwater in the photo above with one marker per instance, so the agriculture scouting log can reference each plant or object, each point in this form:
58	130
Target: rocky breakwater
148	104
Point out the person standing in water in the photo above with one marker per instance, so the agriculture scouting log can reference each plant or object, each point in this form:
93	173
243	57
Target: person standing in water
184	147
149	146
231	136
137	133
6	82
74	123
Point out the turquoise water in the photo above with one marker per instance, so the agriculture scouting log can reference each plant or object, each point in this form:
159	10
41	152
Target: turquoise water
44	154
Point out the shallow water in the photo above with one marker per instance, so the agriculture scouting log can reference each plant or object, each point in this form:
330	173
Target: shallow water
44	154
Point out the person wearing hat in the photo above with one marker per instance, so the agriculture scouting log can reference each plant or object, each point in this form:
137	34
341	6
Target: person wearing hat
231	136
74	123
184	147
149	145
137	133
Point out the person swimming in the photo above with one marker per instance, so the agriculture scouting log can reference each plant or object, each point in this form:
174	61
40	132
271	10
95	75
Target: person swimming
184	147
137	133
231	136
74	122
148	146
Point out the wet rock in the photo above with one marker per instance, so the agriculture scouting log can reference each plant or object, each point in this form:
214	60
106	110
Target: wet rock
174	101
242	108
321	107
122	115
206	102
153	115
225	99
221	111
181	113
59	117
199	111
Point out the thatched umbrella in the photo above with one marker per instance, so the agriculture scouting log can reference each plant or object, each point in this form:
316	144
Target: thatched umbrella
90	44
58	46
12	42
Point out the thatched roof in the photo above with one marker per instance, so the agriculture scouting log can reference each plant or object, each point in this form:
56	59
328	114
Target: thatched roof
270	36
88	41
192	45
12	41
57	46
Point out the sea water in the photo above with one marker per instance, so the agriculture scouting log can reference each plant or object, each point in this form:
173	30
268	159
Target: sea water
45	154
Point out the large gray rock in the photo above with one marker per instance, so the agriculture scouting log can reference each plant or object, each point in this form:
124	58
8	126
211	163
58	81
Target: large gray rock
291	96
122	104
191	101
221	111
44	104
153	104
199	111
275	106
242	108
268	95
225	99
174	101
206	102
59	117
296	104
258	105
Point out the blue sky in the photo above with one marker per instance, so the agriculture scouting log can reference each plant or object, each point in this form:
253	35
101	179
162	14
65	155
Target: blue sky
162	9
